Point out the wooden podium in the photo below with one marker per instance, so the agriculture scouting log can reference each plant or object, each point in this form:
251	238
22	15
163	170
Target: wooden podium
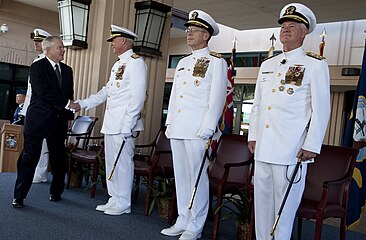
11	146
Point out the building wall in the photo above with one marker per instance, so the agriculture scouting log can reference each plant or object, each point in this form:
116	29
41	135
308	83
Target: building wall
15	45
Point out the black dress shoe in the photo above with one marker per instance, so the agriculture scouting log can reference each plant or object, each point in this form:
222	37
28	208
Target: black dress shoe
17	203
55	198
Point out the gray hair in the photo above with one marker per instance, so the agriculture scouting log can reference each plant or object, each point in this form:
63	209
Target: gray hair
130	41
49	42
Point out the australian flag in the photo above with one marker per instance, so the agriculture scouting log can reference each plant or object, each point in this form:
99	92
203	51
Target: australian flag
356	131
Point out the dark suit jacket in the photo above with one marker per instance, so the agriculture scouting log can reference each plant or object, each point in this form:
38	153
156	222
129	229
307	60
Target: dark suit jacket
46	114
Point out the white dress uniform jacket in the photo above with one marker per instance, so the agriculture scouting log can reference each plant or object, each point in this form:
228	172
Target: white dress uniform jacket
125	93
292	91
199	84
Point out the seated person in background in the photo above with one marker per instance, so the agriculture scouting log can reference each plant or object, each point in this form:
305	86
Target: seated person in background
19	99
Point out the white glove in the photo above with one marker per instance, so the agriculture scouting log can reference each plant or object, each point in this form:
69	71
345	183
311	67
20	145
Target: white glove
125	136
205	133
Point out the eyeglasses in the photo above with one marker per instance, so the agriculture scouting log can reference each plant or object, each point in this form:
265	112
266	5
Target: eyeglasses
193	30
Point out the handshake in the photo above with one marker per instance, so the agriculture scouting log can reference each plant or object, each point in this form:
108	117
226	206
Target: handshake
73	106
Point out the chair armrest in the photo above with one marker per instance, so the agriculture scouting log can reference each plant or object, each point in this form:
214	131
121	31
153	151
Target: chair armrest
327	184
228	166
239	164
84	137
75	134
163	152
144	145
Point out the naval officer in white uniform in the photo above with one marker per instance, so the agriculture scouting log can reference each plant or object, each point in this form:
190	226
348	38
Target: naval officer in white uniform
40	175
288	121
196	103
125	93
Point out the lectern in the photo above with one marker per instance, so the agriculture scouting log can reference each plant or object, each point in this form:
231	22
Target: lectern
11	146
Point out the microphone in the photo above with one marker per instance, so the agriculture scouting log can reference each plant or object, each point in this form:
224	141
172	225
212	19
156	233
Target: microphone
283	61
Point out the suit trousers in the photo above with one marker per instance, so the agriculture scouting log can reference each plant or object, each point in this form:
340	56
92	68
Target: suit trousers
28	161
187	159
270	185
120	187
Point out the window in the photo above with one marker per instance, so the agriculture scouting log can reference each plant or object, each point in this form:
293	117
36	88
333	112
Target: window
12	78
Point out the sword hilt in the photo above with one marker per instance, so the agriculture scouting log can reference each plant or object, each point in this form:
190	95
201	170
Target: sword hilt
274	226
110	176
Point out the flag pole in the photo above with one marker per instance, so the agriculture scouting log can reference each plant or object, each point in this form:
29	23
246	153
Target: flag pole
272	48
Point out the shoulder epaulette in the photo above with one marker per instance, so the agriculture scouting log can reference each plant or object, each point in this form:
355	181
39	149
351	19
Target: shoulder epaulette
314	55
186	55
215	54
268	58
135	56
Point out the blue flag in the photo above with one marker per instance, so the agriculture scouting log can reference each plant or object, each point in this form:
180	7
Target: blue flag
356	131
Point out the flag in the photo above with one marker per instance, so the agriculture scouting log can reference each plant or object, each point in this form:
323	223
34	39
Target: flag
226	120
225	124
356	131
322	43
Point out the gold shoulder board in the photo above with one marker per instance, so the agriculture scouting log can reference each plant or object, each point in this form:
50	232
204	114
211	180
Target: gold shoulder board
135	56
215	54
314	55
268	58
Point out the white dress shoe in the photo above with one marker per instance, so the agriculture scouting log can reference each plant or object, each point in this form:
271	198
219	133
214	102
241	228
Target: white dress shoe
103	207
117	211
188	235
39	180
172	231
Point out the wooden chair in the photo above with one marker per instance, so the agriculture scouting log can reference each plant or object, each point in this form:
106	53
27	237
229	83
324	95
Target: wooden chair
230	171
150	165
327	187
90	157
82	126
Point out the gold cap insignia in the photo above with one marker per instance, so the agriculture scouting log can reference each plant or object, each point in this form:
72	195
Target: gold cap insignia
290	10
194	15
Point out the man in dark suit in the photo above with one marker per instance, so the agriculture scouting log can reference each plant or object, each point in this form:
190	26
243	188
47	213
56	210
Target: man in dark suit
47	117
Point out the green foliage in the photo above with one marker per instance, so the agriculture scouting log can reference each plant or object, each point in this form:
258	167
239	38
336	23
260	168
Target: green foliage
238	204
162	187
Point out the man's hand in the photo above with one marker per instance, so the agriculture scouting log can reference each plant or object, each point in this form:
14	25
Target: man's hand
126	135
251	146
305	155
205	133
74	106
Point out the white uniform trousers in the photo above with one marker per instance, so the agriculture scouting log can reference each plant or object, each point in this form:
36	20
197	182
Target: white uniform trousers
42	166
120	187
270	185
187	159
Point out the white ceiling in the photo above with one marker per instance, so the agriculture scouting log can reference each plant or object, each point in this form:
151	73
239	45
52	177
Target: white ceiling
249	14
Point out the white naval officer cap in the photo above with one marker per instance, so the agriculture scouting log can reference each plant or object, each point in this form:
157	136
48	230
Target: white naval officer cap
39	35
201	19
299	13
117	31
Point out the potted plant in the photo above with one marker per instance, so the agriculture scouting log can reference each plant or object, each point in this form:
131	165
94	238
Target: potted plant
239	205
163	187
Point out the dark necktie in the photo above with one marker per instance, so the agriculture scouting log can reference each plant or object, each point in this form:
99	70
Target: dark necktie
58	74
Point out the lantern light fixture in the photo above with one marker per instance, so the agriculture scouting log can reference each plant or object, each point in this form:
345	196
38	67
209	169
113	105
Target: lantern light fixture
149	26
74	19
